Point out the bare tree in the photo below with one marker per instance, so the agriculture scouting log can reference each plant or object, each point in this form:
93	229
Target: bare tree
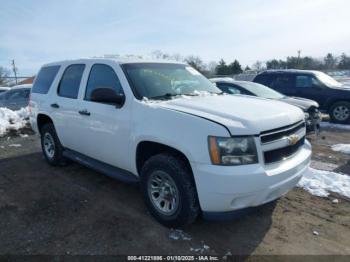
258	66
196	62
4	73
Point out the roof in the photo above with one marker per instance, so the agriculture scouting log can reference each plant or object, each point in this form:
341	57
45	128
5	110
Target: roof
227	80
116	60
288	71
22	86
221	79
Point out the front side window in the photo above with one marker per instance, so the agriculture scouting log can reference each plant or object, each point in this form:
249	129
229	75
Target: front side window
44	79
165	80
102	76
70	82
304	81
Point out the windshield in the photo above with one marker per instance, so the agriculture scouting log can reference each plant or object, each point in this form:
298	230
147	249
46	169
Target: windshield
163	81
3	94
261	90
327	80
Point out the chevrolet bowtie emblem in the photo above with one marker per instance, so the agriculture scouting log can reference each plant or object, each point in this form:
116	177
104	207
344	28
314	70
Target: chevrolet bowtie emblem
293	139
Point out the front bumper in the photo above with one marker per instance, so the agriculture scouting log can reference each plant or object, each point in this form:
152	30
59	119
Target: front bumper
313	124
224	189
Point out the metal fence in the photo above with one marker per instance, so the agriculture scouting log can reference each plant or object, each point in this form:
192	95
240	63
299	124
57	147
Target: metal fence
12	81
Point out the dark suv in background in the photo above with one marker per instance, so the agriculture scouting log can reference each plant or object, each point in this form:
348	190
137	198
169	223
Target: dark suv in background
332	96
310	108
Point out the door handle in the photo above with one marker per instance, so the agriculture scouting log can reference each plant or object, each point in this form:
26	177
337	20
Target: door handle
84	112
55	105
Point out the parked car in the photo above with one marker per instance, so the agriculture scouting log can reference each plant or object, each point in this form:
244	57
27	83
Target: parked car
332	96
166	126
16	98
3	89
311	108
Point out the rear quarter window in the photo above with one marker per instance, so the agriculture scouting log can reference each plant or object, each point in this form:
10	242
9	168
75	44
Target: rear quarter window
44	79
264	79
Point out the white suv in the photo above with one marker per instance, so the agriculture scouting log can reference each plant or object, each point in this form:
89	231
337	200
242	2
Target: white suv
193	149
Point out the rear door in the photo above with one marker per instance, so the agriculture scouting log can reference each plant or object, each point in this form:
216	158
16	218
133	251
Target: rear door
104	128
64	105
310	87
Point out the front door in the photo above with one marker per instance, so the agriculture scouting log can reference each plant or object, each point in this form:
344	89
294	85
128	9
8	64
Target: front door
105	128
310	87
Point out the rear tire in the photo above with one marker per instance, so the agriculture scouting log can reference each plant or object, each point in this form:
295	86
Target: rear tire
51	146
340	112
169	190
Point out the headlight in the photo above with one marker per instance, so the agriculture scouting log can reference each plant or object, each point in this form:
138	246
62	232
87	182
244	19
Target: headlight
307	115
232	151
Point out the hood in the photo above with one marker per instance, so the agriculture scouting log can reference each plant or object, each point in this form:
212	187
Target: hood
242	115
302	103
345	86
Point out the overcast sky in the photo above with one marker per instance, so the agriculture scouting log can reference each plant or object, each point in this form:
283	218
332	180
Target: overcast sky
34	32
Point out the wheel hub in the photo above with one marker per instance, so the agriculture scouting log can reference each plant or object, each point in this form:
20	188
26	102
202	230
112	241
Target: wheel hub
163	193
49	145
341	113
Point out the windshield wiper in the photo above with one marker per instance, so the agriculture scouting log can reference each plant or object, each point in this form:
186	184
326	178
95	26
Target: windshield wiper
165	96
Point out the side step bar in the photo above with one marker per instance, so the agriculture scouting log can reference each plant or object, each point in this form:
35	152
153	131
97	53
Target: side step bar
101	167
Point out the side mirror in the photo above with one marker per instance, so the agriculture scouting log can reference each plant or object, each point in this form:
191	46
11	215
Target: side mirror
108	96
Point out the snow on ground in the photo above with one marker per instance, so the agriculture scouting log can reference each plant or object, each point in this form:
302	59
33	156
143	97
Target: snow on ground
331	125
323	165
343	148
15	145
321	183
178	234
12	120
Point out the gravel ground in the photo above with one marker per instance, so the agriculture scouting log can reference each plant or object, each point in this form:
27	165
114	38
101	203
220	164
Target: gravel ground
74	210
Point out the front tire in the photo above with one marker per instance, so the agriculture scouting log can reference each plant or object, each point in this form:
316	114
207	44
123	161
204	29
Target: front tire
340	112
169	190
51	146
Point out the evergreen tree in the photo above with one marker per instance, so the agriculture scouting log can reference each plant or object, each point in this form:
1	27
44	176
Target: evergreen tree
222	68
330	62
344	62
235	68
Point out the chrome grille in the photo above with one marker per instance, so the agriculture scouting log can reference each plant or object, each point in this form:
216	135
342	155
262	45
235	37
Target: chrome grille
281	143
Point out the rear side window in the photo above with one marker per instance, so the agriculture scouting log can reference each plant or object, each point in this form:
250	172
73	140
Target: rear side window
282	82
102	76
303	81
264	79
229	89
70	82
44	79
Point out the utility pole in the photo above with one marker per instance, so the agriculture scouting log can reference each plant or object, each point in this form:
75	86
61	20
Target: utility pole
14	69
299	52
